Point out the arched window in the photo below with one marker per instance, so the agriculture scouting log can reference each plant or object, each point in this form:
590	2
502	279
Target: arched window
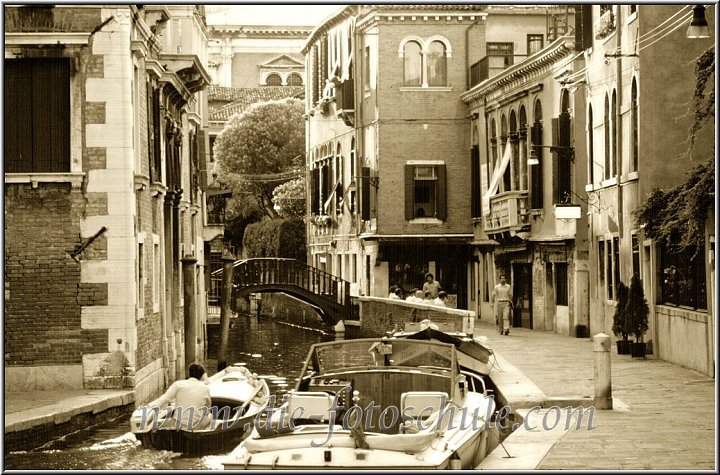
565	102
522	135
634	122
515	147
536	136
412	54
606	127
493	146
613	143
591	147
437	64
295	80
339	180
273	80
503	144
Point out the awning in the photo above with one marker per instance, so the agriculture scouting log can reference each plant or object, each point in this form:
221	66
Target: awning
497	174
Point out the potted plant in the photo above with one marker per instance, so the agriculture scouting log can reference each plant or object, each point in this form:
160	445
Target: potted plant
621	325
637	311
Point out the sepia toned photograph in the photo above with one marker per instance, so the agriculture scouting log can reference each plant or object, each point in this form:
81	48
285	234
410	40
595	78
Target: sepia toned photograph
359	237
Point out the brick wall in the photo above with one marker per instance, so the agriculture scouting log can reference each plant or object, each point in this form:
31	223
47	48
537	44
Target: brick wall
43	289
422	125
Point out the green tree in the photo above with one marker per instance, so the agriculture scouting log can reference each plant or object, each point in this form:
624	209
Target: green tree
258	150
637	309
621	326
289	198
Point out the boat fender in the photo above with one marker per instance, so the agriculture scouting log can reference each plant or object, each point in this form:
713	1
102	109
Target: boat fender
455	462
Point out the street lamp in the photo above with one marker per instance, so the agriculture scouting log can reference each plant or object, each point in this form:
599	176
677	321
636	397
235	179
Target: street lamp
698	26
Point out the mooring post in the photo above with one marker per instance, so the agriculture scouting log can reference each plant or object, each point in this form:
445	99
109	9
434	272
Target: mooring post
225	297
189	311
602	375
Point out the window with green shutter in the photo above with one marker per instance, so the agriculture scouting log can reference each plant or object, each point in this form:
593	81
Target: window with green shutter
37	115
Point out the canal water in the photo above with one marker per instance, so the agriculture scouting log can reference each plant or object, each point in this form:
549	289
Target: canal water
273	350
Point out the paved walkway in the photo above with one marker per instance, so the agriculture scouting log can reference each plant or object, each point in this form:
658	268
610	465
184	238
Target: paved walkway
28	409
664	416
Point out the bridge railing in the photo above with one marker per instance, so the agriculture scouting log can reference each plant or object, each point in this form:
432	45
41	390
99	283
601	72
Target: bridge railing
268	271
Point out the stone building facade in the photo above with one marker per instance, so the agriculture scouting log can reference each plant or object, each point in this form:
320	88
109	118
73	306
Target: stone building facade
388	149
637	138
524	171
102	196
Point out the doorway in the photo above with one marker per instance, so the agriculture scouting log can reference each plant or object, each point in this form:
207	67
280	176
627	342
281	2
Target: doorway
522	295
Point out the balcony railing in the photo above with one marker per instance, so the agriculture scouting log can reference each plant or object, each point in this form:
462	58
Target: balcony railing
508	211
490	66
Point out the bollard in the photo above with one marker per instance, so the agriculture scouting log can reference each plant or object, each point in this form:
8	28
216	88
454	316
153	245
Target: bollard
603	375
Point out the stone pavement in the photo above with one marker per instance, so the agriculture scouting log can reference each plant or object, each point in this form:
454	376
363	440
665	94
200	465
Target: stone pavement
33	418
663	417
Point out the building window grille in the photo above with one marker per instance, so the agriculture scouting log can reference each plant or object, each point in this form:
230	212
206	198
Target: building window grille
273	80
682	277
295	80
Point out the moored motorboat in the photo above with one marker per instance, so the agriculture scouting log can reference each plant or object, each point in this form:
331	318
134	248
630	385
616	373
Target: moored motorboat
473	352
237	396
375	403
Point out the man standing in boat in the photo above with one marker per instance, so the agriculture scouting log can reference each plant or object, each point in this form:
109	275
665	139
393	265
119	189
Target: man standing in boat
502	298
190	399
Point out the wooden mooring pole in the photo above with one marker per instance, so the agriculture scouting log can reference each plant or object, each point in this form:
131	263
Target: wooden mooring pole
225	296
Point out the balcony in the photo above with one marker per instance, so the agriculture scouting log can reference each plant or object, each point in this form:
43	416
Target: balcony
508	212
491	65
345	101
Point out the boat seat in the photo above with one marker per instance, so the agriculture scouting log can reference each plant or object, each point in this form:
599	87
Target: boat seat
423	407
312	406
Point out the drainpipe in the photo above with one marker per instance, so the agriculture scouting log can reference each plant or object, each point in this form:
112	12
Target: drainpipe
467	52
618	127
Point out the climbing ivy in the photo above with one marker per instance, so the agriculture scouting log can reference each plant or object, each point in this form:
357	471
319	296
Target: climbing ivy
703	103
678	216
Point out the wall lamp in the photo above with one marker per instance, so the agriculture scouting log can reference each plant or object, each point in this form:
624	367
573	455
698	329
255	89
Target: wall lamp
533	160
698	26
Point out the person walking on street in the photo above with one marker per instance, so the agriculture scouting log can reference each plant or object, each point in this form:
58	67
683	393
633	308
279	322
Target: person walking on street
431	285
502	298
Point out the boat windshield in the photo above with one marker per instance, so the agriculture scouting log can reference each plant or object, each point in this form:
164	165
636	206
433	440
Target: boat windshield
366	353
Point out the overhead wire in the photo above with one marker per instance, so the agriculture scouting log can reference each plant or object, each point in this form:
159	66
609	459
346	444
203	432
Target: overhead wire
661	29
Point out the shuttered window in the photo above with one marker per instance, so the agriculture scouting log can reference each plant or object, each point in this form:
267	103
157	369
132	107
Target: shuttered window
475	192
562	169
536	196
315	190
365	194
425	192
37	115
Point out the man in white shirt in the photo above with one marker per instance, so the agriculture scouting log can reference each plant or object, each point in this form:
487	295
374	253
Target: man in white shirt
190	399
431	285
502	298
